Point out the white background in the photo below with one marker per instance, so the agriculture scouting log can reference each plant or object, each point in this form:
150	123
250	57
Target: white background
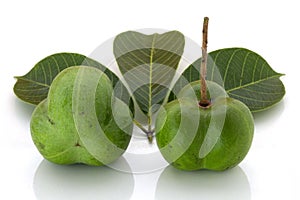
31	30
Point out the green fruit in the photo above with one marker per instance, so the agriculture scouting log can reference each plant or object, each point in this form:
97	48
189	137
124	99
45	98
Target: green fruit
81	121
216	137
192	91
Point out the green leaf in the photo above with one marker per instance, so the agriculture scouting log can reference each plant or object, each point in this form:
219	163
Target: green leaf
244	74
34	86
148	64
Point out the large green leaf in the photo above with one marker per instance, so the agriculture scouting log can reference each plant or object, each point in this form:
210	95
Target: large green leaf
148	64
33	87
244	74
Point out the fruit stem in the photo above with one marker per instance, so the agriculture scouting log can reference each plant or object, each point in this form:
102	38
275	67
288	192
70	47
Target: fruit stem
204	102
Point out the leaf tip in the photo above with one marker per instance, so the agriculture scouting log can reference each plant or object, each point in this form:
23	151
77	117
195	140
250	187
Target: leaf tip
281	74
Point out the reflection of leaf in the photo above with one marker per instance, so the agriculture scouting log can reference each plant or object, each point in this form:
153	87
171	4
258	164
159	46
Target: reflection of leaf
148	64
245	75
33	87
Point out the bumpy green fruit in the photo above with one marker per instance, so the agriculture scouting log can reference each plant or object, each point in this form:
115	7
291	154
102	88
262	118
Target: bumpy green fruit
78	122
217	137
192	91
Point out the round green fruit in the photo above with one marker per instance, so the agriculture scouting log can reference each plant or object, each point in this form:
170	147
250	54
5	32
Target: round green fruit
81	121
192	91
215	137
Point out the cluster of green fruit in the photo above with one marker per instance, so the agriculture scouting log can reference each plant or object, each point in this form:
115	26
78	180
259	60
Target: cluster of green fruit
80	118
65	134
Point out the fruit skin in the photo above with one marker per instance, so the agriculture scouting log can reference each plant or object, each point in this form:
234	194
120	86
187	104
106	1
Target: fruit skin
184	140
192	91
53	128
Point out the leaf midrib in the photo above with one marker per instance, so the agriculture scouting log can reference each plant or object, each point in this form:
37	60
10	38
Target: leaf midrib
35	82
150	77
253	83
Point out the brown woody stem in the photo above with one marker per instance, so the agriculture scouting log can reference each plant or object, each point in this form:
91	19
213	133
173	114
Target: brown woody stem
204	101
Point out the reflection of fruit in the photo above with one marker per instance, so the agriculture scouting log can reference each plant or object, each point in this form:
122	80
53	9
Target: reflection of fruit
216	137
79	182
177	184
53	127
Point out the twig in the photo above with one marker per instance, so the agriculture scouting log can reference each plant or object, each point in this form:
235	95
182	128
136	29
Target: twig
204	100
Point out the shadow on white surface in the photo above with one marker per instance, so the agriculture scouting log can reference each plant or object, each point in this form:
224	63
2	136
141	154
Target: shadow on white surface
60	182
269	115
23	110
228	185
